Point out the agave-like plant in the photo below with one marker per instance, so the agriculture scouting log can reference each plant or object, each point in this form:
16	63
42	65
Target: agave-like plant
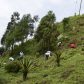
26	64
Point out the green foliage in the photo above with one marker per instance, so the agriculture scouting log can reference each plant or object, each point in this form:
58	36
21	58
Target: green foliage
71	70
30	47
8	38
45	82
26	65
18	31
17	49
58	57
47	33
13	67
3	81
82	49
1	50
46	23
66	25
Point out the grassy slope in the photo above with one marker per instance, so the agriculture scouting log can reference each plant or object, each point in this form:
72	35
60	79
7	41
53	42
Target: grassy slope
46	72
70	72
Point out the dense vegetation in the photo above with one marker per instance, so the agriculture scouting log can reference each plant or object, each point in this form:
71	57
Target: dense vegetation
65	66
18	31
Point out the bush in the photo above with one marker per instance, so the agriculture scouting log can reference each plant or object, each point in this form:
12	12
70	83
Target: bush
13	67
37	54
66	25
82	49
3	81
26	65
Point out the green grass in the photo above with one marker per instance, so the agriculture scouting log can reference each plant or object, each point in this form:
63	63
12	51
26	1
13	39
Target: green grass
46	72
71	70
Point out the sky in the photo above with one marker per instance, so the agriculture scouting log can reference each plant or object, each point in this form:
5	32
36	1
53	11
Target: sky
61	8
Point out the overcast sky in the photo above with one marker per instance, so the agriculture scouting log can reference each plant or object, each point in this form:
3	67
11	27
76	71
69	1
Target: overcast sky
62	8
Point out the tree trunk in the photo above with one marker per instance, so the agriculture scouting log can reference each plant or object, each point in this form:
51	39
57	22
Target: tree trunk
80	7
12	47
58	61
25	75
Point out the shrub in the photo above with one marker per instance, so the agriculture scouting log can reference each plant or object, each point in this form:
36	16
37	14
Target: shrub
37	54
66	25
3	81
26	65
82	49
13	67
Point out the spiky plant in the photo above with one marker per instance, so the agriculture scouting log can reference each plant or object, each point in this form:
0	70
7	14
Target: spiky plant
26	64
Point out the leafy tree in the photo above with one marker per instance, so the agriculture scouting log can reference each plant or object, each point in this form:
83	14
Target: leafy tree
35	18
66	25
8	37
47	33
5	34
25	27
1	50
15	17
18	30
45	23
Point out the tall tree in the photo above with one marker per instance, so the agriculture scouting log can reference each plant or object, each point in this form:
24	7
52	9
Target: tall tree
47	32
66	25
8	37
25	27
18	29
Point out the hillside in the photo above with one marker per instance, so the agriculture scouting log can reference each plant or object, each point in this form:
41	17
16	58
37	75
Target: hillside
71	70
46	72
